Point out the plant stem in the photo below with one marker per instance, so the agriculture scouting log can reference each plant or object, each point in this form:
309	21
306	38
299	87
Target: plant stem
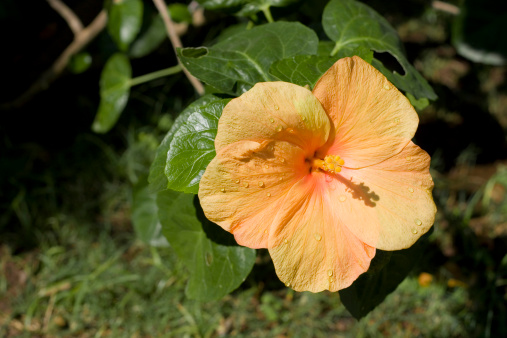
267	14
155	75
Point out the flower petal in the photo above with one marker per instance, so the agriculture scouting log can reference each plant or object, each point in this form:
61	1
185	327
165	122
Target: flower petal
388	205
274	111
372	119
246	182
311	248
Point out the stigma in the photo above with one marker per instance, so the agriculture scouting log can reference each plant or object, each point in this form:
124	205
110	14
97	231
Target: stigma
330	163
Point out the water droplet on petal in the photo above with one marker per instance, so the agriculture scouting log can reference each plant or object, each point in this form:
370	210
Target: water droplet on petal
397	120
237	181
411	189
418	221
268	194
329	273
287	284
408	158
303	118
387	87
266	166
222	190
272	120
290	130
245	184
279	128
317	237
414	231
285	241
266	232
276	107
282	160
342	198
261	184
280	178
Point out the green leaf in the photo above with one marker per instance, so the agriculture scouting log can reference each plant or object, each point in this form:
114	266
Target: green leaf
80	62
234	65
302	69
476	31
157	178
144	216
243	7
156	33
387	270
114	92
307	69
125	19
352	24
216	268
193	147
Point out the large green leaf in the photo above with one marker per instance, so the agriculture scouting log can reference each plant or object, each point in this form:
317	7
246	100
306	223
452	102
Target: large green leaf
387	270
235	64
351	24
193	147
114	92
216	268
145	217
307	69
157	178
124	23
244	7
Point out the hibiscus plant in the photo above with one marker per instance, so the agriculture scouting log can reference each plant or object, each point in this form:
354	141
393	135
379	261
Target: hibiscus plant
300	143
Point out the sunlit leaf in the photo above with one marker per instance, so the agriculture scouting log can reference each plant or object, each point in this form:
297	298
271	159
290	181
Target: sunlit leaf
114	92
351	24
193	147
217	266
124	23
235	64
157	178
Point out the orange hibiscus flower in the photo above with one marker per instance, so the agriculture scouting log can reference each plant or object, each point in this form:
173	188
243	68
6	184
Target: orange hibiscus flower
320	178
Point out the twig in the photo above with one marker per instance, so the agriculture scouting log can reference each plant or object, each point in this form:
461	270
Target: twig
75	24
446	7
176	42
80	40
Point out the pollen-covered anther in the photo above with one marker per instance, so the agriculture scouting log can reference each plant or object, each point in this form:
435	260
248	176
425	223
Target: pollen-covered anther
331	163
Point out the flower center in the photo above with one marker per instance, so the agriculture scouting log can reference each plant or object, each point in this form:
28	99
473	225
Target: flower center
330	163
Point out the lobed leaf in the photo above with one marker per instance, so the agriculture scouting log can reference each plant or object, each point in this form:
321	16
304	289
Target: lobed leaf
235	64
351	24
216	268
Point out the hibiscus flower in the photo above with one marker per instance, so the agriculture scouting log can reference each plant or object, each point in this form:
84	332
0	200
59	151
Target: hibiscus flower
321	179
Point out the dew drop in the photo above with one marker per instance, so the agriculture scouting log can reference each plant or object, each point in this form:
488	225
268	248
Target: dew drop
303	118
272	120
237	181
418	221
411	189
261	184
290	130
280	178
268	194
342	198
414	231
282	160
317	237
266	232
329	273
276	107
279	128
287	284
285	241
387	87
408	158
222	190
266	166
245	184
